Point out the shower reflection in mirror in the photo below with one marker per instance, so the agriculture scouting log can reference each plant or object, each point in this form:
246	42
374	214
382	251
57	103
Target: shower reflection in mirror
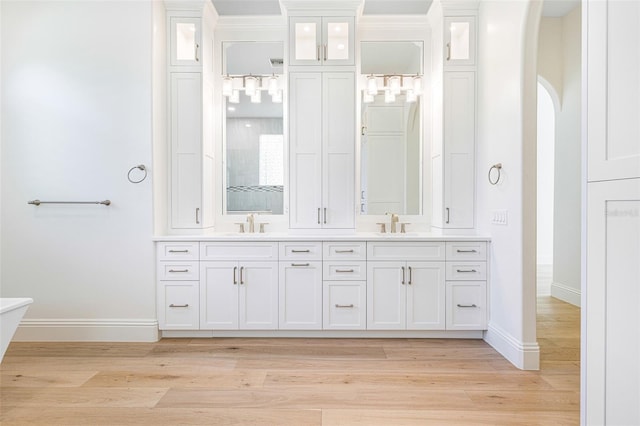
252	88
391	127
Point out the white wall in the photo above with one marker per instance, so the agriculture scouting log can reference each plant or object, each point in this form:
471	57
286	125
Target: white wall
77	115
545	187
567	223
550	53
502	94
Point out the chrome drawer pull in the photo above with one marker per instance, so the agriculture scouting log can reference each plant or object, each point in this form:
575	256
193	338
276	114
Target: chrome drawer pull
403	278
301	251
464	271
467	306
299	264
235	270
178	270
344	251
178	251
467	251
344	270
186	305
344	306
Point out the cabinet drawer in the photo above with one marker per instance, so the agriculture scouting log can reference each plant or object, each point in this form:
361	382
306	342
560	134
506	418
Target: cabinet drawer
344	305
405	251
466	305
178	307
178	251
461	271
344	271
255	250
467	250
300	250
344	251
179	271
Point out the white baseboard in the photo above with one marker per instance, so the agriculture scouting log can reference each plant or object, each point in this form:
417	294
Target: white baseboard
87	330
525	356
565	293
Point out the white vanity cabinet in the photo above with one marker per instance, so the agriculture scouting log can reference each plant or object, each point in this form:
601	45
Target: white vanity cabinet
239	286
178	286
321	40
405	286
300	286
322	150
466	274
190	121
344	285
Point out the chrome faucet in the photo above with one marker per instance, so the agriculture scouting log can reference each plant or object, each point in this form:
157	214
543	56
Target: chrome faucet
251	219
394	221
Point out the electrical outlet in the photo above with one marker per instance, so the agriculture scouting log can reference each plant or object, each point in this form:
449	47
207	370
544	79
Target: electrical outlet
499	217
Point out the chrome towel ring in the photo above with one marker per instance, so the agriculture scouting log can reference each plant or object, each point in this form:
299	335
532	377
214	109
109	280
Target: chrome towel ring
497	167
139	167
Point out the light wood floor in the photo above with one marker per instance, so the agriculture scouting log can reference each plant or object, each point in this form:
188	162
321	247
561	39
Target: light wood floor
295	381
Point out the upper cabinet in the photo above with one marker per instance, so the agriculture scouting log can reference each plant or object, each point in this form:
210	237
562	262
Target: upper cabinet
185	40
321	40
459	41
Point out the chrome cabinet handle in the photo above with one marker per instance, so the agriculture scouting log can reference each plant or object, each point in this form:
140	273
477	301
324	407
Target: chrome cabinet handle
198	215
410	278
318	53
318	215
345	271
344	306
178	251
325	215
344	251
466	271
241	277
467	306
448	51
186	305
299	264
301	251
197	47
325	52
403	275
447	209
178	270
466	251
235	270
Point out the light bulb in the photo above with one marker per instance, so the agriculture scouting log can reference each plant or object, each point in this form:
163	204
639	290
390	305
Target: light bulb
256	98
389	97
273	85
235	96
250	84
417	85
227	86
372	85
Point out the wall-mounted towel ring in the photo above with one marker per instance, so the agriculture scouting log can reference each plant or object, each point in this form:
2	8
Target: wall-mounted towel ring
139	167
498	167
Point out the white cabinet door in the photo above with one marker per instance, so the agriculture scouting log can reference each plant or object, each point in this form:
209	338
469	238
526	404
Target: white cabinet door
305	188
338	150
322	150
386	295
219	295
459	150
426	296
300	295
185	41
258	301
459	40
321	40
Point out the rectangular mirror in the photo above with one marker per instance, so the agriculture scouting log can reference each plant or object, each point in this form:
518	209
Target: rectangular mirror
253	127
391	128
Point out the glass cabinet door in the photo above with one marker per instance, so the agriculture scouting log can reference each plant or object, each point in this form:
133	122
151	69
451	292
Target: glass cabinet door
321	40
460	40
185	41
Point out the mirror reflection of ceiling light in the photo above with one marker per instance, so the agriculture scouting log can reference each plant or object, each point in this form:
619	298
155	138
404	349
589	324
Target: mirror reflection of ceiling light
247	125
231	109
306	28
340	46
337	28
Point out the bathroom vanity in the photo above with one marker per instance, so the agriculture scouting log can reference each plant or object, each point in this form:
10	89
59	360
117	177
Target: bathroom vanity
360	285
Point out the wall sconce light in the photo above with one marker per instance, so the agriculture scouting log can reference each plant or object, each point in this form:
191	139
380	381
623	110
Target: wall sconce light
417	85
273	85
235	96
227	86
256	98
389	97
372	85
393	85
253	85
411	96
367	98
250	84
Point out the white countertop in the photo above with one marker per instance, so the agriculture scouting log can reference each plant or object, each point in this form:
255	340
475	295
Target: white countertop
355	236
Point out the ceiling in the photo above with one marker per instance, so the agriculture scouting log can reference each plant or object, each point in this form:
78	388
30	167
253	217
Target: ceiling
551	8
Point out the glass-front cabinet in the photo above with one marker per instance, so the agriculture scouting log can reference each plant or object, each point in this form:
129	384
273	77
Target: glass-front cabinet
321	40
185	41
460	40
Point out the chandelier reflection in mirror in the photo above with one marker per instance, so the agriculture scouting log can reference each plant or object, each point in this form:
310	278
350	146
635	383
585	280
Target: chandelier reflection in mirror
252	86
392	85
